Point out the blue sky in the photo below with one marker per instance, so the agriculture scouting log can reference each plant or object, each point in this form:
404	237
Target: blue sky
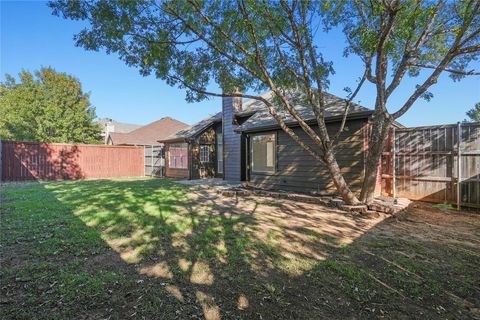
30	37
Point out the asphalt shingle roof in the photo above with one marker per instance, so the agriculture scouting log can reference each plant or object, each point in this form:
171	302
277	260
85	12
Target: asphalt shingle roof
335	106
149	134
261	118
193	130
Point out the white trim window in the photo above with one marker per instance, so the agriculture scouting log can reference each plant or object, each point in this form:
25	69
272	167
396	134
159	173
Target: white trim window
263	153
219	152
204	153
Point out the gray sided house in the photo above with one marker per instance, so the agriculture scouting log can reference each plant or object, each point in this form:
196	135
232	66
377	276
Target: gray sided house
192	153
245	143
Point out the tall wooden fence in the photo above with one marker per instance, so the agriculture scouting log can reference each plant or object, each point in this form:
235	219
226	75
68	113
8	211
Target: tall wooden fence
43	161
437	164
154	161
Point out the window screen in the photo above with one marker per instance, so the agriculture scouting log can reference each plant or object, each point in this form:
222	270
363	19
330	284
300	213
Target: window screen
263	153
178	156
204	153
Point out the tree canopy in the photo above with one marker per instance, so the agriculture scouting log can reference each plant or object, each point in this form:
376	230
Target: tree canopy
398	38
46	106
474	113
238	45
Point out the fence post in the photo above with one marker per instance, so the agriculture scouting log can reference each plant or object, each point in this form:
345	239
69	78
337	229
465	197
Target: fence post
394	170
144	163
162	160
151	161
459	164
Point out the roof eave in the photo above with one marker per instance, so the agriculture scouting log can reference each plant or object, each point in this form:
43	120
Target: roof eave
192	135
173	140
245	113
353	116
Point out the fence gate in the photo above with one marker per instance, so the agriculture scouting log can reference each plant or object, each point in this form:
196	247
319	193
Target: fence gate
154	162
436	164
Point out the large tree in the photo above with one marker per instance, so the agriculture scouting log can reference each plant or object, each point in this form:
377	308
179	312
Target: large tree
46	106
249	46
400	39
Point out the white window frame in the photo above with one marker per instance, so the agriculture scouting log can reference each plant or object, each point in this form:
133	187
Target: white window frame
204	153
274	140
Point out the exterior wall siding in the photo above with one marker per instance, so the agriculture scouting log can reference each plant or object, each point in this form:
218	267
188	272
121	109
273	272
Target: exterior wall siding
231	141
298	171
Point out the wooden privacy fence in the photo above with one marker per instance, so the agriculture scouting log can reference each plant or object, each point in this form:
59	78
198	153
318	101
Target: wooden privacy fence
154	161
43	161
437	164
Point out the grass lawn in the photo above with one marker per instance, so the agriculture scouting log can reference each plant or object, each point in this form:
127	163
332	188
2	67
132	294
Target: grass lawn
154	249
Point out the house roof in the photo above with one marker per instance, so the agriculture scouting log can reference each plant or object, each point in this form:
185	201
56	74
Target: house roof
261	119
149	134
248	108
193	130
335	106
118	126
251	106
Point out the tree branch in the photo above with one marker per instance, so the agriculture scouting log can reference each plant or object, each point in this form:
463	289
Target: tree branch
214	25
291	109
270	107
459	72
347	108
368	70
381	66
449	56
216	47
412	52
470	49
318	108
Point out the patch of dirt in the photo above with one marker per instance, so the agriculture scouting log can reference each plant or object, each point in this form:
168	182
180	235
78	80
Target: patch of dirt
426	223
104	260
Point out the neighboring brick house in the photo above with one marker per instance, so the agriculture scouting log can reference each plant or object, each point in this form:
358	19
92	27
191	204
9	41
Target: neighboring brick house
149	134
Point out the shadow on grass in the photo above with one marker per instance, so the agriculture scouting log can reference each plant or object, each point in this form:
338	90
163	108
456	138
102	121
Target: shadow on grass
154	248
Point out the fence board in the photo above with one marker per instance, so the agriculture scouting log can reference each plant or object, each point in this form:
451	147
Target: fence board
426	164
44	161
154	161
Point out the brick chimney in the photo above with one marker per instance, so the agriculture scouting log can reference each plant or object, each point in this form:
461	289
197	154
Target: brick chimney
231	139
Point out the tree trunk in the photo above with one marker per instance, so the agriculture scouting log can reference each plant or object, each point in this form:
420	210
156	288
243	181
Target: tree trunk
342	187
377	140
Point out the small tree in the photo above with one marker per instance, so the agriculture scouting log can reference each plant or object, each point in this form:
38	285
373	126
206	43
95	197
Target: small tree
397	38
474	113
46	106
